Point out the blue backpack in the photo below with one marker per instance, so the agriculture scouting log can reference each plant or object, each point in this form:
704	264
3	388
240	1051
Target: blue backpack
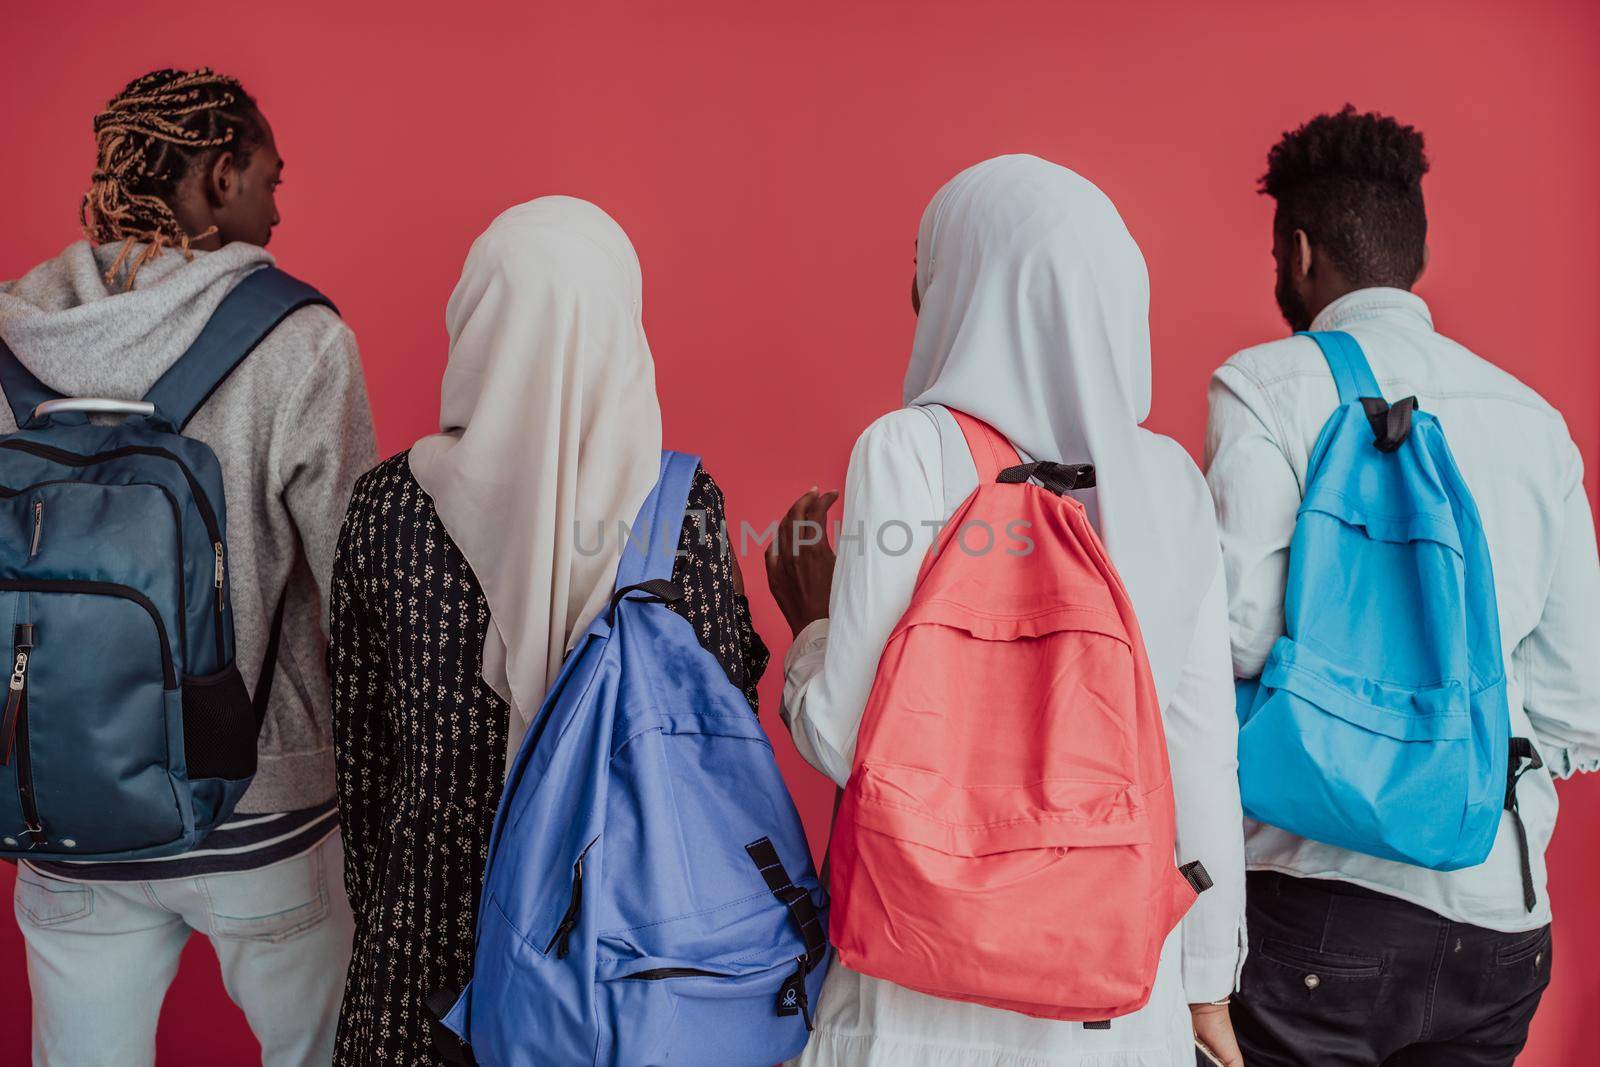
1380	722
127	731
649	896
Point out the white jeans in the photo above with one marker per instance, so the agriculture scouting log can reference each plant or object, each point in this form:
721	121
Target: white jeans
101	956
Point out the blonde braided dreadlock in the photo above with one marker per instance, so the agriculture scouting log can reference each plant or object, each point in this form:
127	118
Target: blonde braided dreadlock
148	138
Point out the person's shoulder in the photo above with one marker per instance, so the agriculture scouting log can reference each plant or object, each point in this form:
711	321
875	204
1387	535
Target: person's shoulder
1489	378
1170	456
1275	361
909	432
311	342
704	492
389	476
311	330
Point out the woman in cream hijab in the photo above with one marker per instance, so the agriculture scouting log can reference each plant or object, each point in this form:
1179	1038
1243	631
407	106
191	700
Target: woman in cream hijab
1033	306
468	567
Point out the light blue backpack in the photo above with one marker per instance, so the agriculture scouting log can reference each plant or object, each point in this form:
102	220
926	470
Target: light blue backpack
1380	721
649	896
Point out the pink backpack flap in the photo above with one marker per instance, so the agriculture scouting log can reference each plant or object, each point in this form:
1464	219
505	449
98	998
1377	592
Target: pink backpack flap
1007	833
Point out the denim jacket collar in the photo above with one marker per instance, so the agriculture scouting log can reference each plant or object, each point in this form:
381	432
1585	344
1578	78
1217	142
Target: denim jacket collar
1376	302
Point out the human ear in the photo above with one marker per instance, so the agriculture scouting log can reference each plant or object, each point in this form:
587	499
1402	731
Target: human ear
1300	254
222	179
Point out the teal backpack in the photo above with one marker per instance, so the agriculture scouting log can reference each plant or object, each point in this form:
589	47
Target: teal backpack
127	730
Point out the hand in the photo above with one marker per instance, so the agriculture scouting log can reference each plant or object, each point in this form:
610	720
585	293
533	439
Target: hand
1215	1030
800	561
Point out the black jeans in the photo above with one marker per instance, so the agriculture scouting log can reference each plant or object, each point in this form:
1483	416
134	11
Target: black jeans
1341	976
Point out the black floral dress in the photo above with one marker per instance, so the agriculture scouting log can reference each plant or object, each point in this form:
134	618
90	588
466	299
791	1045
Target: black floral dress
420	741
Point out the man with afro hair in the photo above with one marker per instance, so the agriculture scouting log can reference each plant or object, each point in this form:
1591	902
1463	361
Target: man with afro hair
1356	960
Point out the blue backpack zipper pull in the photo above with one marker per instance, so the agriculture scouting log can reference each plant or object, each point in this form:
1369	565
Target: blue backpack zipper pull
561	942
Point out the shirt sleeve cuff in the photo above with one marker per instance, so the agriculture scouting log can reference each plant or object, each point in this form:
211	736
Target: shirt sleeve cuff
1561	764
806	642
1208	978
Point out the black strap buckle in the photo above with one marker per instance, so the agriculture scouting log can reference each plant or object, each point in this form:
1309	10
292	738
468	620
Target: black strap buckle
657	590
1522	757
1391	423
1197	876
803	916
1059	478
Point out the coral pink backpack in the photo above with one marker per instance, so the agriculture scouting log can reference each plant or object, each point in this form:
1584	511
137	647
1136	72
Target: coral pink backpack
1007	833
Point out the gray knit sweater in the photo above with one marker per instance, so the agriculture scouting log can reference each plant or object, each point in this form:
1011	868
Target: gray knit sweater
291	428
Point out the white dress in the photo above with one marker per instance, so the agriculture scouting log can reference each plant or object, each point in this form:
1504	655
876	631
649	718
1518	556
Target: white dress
909	472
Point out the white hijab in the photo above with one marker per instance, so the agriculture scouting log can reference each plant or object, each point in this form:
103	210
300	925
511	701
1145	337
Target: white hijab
549	431
1035	319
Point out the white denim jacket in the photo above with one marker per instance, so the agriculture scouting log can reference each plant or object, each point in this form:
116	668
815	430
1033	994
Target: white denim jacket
1267	405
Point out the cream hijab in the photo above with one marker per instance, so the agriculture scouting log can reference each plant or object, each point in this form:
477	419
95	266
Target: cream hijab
1035	318
550	432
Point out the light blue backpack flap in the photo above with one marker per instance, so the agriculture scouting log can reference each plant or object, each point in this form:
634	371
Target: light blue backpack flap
1380	722
650	896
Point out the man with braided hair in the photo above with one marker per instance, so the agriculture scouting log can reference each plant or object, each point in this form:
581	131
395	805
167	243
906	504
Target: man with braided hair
1353	959
179	207
186	161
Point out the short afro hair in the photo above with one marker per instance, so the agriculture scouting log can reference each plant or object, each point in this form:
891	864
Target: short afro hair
1353	182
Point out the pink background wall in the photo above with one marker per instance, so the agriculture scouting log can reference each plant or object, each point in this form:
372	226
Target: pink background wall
770	163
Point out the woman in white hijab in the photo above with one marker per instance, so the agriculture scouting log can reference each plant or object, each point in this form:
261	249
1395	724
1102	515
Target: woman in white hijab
466	570
1033	306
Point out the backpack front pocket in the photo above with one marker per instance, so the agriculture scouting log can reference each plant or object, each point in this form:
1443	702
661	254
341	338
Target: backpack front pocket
1352	761
1058	885
727	963
219	726
95	722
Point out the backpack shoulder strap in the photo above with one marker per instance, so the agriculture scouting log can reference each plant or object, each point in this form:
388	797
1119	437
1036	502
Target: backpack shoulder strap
1351	372
253	309
991	452
648	555
24	392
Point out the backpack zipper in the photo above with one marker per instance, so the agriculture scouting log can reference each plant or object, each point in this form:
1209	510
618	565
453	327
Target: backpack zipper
207	516
177	525
658	973
15	694
38	527
216	599
15	727
562	939
73	459
169	678
792	994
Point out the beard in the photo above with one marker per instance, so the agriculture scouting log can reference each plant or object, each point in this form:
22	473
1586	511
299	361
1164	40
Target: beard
1291	305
